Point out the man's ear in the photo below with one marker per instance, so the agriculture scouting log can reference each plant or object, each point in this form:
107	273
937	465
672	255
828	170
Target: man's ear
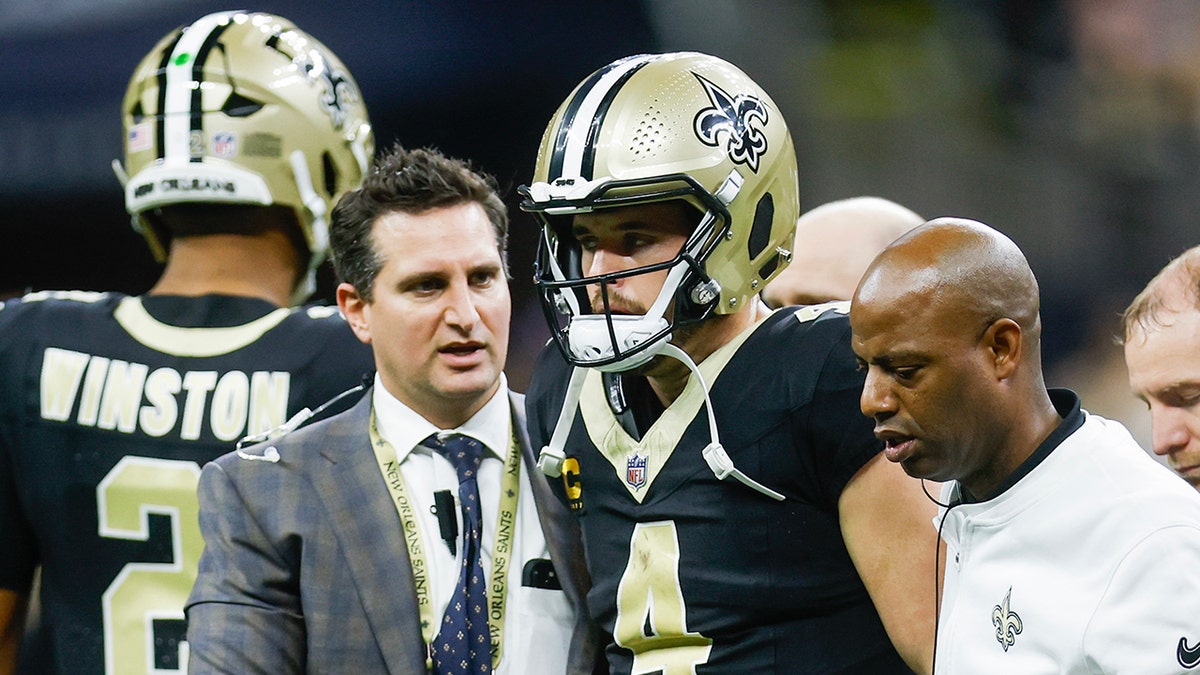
1002	339
354	308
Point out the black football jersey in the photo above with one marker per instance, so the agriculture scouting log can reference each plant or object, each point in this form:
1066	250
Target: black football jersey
110	405
691	572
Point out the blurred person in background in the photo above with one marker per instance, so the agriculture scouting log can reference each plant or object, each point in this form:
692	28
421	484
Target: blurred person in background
834	244
241	131
1161	336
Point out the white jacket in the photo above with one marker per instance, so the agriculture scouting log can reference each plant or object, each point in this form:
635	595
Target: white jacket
1090	563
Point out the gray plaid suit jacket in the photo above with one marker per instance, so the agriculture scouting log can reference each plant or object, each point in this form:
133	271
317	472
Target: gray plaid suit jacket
305	568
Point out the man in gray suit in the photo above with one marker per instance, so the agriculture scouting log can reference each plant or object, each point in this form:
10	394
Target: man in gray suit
352	545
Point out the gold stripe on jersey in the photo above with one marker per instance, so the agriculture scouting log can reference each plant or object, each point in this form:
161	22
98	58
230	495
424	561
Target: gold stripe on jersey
191	342
657	444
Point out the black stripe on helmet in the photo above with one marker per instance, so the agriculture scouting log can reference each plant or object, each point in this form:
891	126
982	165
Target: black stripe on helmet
588	163
160	117
202	54
572	111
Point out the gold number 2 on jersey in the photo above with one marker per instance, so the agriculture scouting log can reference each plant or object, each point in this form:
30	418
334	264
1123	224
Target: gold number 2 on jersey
144	593
650	595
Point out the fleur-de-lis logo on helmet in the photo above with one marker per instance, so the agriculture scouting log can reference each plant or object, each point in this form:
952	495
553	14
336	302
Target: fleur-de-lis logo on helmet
738	119
339	90
1008	624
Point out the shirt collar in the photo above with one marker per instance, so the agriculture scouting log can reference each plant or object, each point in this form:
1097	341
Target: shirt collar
1068	406
404	428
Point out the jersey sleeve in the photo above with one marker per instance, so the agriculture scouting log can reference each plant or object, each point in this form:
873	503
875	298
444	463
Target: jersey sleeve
16	536
339	364
20	555
1148	620
845	438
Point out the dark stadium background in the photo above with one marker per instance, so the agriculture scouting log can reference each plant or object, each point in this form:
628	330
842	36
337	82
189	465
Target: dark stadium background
1071	125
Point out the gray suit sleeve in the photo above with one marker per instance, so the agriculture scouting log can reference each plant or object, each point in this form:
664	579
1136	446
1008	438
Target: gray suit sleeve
244	611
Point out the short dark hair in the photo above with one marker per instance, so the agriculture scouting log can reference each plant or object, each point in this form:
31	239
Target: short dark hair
407	181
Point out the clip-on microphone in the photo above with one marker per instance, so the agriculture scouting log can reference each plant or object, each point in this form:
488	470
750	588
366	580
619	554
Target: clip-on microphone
443	501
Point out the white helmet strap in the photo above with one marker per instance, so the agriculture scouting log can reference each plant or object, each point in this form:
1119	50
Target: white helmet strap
552	456
319	244
589	339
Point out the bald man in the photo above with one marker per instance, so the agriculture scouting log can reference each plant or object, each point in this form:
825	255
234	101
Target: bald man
834	244
1162	353
1068	548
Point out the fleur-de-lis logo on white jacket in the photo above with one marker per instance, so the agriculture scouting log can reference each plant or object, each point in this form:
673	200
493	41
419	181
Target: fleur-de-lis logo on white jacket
1007	623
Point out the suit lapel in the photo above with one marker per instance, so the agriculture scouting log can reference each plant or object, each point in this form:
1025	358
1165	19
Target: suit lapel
369	533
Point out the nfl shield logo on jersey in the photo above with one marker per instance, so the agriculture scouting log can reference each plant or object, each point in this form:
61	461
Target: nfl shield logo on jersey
635	471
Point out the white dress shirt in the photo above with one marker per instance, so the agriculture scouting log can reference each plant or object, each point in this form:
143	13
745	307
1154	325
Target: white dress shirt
538	622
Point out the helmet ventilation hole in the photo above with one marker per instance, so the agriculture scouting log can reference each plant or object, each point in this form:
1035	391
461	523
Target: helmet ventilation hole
769	268
760	232
330	171
647	138
240	106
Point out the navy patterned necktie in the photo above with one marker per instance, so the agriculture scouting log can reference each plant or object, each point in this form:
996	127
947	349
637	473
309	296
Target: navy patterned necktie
463	644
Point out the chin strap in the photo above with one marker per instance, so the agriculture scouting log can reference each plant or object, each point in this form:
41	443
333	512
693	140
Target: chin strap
552	456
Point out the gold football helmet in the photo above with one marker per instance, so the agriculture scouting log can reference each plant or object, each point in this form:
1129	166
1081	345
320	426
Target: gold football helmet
679	126
243	108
